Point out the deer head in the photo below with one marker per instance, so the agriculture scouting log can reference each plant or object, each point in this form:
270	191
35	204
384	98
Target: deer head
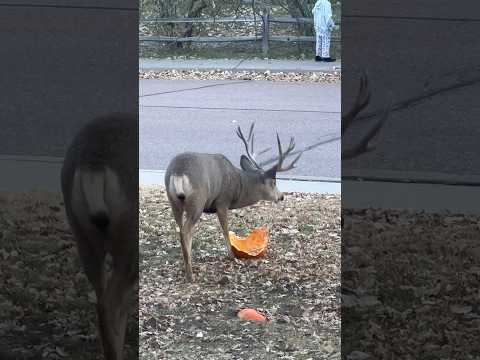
265	183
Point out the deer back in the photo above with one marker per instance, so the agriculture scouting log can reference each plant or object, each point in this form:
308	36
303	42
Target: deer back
209	179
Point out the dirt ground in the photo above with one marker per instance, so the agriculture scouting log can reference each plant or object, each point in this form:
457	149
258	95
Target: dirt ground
297	284
47	306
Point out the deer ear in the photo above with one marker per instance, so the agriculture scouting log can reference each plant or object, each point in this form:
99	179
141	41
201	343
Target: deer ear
246	164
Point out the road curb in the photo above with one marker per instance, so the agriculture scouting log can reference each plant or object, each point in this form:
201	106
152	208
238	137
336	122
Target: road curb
429	198
416	177
238	70
282	177
234	66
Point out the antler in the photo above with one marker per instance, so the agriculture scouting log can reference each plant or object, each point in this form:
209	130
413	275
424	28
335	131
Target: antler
363	98
282	155
250	153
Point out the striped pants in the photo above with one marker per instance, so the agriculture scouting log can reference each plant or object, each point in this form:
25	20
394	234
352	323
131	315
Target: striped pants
323	45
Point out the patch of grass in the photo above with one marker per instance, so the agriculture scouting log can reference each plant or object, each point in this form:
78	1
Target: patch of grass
307	229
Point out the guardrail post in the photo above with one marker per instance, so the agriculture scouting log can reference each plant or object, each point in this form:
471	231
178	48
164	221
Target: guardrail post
265	31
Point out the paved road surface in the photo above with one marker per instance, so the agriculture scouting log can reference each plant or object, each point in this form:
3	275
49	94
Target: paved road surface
191	115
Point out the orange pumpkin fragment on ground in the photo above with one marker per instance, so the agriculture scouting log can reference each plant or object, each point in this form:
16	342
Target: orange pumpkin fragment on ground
253	246
251	314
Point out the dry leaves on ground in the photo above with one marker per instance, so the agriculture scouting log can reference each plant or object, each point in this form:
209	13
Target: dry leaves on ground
410	285
296	285
47	308
315	77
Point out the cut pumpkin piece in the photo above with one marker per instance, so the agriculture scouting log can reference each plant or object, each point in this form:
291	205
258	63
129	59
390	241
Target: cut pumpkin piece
252	246
251	315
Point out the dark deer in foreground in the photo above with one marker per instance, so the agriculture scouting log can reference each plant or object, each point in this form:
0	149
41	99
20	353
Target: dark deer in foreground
100	190
361	102
209	183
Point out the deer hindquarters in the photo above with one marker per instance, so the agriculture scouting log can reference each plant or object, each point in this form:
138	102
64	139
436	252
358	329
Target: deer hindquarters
180	186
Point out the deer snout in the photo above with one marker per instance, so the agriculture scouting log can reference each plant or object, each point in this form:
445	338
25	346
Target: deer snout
281	197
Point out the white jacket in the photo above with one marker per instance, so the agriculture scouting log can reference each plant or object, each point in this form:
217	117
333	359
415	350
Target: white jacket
322	17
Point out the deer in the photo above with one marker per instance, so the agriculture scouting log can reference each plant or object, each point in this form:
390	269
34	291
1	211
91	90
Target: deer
99	181
198	183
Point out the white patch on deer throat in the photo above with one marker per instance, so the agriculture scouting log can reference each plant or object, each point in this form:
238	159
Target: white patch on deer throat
180	184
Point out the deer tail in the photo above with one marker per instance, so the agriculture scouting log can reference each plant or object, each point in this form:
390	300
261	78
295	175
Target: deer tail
180	186
92	183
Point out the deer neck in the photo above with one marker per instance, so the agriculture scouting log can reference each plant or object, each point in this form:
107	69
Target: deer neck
247	189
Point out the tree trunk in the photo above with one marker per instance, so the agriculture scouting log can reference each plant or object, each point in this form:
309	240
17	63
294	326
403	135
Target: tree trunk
194	10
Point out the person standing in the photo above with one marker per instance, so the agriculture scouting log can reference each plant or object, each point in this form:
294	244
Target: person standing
323	22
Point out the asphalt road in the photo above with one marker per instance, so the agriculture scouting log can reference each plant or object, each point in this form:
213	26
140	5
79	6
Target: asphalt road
193	115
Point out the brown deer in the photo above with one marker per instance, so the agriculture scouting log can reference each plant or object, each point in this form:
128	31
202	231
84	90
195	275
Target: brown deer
209	183
100	189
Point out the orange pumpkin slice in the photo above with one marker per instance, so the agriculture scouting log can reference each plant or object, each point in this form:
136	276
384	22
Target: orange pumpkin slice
252	246
251	314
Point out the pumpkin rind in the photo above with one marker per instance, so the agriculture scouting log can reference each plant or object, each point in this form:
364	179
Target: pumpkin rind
253	246
251	315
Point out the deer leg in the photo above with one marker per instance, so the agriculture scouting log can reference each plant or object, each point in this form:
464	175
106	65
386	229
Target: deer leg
93	261
118	290
186	240
178	215
223	219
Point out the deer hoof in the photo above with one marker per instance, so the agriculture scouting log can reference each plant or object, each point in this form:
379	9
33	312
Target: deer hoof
189	276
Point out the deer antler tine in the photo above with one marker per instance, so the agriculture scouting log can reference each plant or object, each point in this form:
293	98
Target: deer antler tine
248	143
292	164
296	159
366	143
239	133
251	143
366	88
280	151
363	81
291	146
251	130
362	100
282	155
